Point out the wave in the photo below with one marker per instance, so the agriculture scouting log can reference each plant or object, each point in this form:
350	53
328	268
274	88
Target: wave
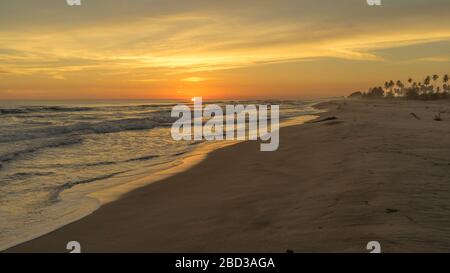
156	119
24	175
142	158
42	109
48	109
51	143
54	195
104	163
56	108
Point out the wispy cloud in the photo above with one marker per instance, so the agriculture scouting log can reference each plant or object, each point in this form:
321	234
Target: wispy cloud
166	42
195	79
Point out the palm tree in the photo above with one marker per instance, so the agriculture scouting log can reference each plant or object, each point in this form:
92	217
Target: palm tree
421	87
435	78
445	80
410	80
386	86
426	83
400	86
391	84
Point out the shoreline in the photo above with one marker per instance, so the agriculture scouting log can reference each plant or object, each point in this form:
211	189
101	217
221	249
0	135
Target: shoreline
373	173
99	198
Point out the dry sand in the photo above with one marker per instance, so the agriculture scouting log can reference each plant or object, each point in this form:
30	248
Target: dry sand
375	173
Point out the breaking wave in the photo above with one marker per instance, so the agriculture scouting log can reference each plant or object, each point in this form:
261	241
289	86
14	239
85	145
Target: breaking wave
59	109
51	143
81	128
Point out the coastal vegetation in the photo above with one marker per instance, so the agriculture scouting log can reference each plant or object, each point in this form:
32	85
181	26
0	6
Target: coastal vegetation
432	87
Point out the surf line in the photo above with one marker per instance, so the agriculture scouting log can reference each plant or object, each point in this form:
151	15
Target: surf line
190	125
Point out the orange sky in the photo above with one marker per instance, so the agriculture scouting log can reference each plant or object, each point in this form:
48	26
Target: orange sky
228	49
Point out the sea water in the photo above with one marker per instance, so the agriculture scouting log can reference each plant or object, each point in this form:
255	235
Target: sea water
49	147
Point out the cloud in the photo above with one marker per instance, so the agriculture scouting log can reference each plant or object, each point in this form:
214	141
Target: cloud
195	79
149	80
434	59
113	41
181	43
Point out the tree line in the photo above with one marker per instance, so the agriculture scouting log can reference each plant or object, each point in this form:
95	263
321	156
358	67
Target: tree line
432	87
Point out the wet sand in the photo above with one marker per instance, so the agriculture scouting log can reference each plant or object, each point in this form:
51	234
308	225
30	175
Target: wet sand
374	173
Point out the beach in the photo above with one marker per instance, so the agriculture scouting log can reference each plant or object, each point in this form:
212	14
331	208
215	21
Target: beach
377	170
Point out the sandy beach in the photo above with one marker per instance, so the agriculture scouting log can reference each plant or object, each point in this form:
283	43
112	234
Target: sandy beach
376	172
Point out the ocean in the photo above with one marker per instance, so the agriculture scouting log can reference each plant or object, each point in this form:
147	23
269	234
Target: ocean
50	147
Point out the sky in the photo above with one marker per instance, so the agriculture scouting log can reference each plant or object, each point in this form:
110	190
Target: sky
162	49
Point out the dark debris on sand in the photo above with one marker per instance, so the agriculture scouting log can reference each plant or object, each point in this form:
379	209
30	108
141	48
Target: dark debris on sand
324	119
391	210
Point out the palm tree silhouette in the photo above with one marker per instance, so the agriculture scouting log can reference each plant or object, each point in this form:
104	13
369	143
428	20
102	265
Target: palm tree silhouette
386	86
426	83
421	87
391	85
415	90
435	78
400	86
445	80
